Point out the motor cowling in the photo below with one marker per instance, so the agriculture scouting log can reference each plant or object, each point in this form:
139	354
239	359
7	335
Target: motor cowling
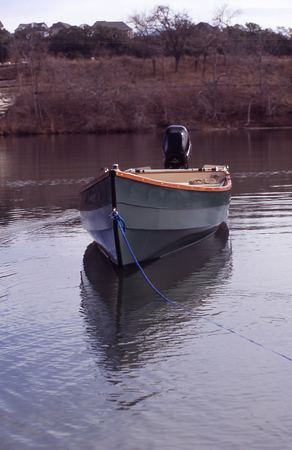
176	147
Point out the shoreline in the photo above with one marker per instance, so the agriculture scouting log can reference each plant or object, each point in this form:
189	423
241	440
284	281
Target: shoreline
209	129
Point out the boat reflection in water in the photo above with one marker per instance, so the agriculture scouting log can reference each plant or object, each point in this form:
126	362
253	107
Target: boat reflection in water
126	321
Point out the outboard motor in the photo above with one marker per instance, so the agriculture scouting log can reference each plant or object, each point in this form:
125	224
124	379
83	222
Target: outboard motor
176	147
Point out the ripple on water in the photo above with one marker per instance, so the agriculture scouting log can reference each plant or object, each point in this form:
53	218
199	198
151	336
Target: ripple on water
95	360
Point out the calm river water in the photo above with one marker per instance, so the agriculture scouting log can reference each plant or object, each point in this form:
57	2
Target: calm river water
91	359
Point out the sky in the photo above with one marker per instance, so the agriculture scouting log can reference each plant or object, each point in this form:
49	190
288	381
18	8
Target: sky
266	13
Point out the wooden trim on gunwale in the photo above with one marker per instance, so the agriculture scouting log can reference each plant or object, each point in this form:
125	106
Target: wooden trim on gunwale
180	186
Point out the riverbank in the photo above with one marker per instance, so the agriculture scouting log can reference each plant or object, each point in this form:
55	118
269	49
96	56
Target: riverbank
125	94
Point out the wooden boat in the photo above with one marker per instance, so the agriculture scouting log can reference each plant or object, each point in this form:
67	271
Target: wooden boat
163	210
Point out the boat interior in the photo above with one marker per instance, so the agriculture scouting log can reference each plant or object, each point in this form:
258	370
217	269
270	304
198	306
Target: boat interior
207	175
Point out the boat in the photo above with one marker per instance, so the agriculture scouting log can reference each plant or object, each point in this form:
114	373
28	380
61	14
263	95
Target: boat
161	210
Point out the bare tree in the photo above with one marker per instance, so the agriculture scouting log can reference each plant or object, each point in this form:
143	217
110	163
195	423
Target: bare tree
224	16
29	49
173	29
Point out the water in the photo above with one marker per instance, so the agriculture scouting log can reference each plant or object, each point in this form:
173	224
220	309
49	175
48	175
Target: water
91	359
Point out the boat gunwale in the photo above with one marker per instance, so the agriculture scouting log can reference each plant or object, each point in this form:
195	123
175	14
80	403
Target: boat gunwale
166	184
96	180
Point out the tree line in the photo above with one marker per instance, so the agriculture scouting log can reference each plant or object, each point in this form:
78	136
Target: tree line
168	70
164	32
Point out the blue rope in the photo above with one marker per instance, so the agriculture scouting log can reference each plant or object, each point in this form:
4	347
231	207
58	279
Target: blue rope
122	227
121	224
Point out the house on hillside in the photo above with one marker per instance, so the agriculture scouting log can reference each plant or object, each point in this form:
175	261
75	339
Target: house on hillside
121	26
58	26
40	28
205	27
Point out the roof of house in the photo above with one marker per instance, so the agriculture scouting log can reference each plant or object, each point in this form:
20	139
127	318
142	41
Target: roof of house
118	25
60	25
38	26
204	26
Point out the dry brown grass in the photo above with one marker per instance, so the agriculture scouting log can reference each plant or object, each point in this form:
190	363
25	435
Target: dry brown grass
123	94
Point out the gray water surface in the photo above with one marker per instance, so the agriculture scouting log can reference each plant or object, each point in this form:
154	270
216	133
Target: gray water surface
90	358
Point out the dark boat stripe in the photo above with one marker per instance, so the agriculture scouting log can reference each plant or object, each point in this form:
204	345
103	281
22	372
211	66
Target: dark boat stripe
115	226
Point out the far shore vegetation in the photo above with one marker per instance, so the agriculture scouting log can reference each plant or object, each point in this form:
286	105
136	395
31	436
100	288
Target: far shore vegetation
168	69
